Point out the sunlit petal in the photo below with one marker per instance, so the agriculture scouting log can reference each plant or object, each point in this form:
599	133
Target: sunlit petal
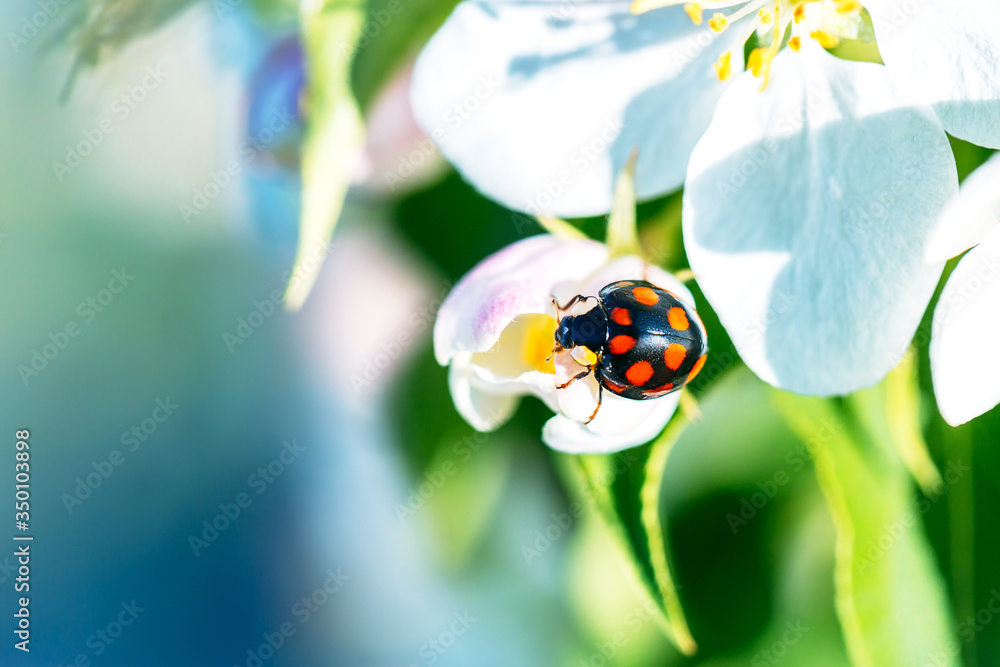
806	220
539	104
965	356
970	216
945	53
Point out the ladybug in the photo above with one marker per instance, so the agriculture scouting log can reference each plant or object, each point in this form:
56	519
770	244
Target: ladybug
647	341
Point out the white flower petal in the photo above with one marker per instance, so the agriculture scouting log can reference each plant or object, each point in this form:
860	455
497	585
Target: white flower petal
970	216
539	104
806	211
945	53
965	356
620	423
519	279
486	400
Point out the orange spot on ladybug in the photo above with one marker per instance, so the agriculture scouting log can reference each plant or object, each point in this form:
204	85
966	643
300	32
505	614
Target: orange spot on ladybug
674	355
663	388
645	295
621	344
614	386
678	319
698	365
639	373
621	316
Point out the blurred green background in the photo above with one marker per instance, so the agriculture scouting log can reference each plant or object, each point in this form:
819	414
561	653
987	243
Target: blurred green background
313	498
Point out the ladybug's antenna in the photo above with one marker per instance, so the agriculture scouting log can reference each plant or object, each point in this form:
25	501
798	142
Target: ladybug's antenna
557	347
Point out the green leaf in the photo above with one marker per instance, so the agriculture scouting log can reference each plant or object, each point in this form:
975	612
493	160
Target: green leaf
622	237
890	598
334	133
626	489
890	411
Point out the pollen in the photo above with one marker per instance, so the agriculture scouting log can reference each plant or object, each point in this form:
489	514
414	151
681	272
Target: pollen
639	373
718	22
825	39
674	356
755	61
764	16
799	14
621	344
694	12
723	66
795	43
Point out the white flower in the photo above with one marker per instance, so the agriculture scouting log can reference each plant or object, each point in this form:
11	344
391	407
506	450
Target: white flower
811	182
496	332
965	354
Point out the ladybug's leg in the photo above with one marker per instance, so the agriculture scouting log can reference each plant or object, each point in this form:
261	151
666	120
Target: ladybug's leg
600	399
574	379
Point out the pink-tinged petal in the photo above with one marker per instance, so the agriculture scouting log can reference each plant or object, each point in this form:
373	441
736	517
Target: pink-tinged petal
520	279
965	356
620	423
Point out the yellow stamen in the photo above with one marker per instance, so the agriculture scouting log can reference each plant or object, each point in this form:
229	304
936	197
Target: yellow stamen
718	22
764	16
799	15
825	39
723	66
694	12
848	6
538	342
760	59
755	61
795	43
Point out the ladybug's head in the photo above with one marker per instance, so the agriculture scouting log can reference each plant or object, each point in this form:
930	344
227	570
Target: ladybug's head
564	333
589	329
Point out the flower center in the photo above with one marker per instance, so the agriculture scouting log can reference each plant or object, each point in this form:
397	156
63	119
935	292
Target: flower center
538	343
825	21
524	345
